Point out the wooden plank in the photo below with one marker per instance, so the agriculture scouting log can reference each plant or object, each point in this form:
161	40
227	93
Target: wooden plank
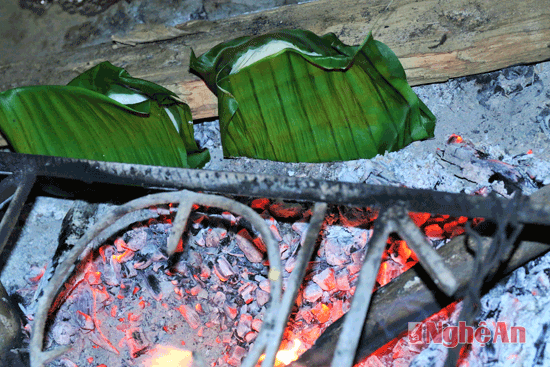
435	41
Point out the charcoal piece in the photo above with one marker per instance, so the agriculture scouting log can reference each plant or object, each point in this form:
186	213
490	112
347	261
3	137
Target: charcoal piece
153	286
540	344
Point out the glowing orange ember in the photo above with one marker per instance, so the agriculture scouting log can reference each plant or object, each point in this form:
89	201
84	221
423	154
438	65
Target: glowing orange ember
170	357
454	138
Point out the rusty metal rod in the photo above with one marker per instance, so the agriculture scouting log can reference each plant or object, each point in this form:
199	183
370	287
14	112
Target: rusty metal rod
289	188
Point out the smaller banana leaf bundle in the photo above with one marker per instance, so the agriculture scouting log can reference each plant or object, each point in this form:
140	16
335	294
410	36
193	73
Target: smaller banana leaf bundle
293	96
103	114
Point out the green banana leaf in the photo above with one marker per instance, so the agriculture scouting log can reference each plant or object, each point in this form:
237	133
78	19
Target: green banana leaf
296	97
103	114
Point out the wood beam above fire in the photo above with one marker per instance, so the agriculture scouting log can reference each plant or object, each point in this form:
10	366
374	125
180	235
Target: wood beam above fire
435	41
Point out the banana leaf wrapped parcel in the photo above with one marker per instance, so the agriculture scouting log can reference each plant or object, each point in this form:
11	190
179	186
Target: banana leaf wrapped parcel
103	114
293	96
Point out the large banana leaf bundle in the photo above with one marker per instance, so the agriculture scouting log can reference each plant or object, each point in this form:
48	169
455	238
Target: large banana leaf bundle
103	114
295	97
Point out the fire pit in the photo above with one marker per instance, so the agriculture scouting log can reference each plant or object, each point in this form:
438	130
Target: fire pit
130	301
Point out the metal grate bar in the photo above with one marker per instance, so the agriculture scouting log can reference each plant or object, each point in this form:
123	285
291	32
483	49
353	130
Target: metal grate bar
289	188
25	181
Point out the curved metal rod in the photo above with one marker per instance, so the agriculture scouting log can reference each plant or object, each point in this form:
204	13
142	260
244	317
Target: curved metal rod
100	233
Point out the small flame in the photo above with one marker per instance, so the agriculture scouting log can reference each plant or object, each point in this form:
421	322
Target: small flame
170	357
288	356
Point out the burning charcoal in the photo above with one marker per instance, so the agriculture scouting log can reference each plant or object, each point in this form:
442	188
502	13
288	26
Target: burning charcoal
388	270
200	309
195	259
219	298
250	336
223	269
35	274
137	239
321	312
325	279
310	333
260	204
334	253
247	247
419	218
453	228
337	310
131	272
284	250
400	252
292	240
246	292
190	315
290	263
152	284
403	349
181	267
434	231
257	324
123	256
355	217
137	342
264	283
300	228
354	268
101	296
262	297
62	331
205	272
253	307
373	361
312	292
195	290
214	236
236	357
244	325
229	217
272	223
342	280
226	337
93	277
230	311
141	265
305	314
339	243
116	271
285	210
